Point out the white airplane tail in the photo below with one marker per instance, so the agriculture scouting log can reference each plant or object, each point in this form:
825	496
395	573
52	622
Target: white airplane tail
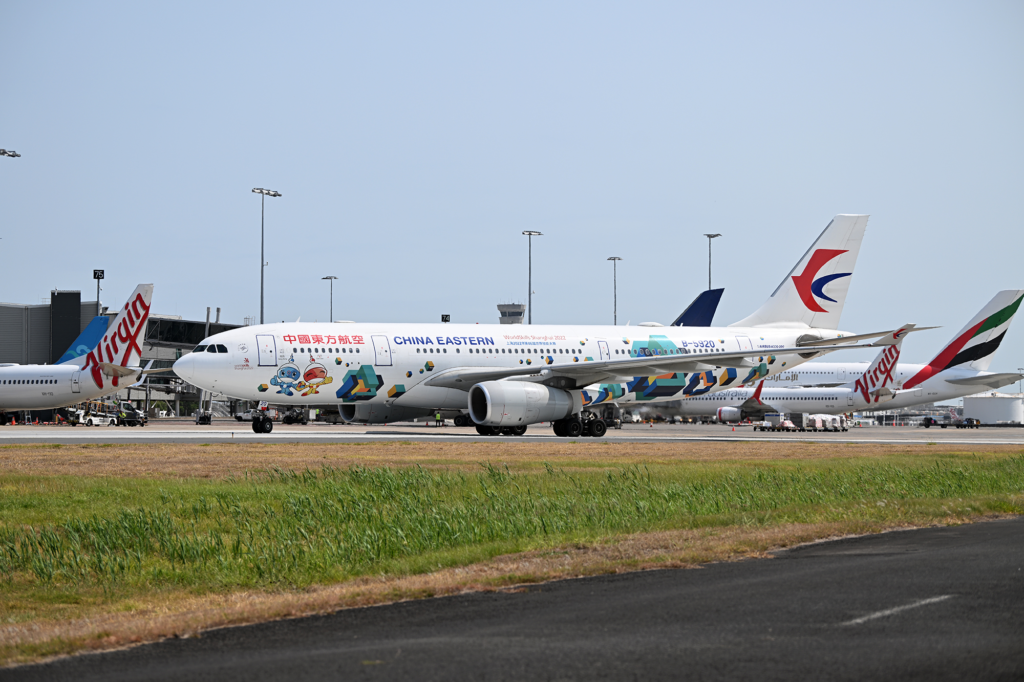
975	345
878	384
121	345
801	300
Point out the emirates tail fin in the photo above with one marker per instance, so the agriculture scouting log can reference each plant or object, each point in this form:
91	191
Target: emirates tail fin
975	345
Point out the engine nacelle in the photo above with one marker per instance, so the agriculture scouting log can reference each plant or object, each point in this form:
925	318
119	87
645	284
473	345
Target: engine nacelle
517	403
379	413
729	415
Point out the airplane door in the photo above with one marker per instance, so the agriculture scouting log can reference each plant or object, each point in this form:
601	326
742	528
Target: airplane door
841	374
268	350
381	351
849	400
76	387
744	342
602	347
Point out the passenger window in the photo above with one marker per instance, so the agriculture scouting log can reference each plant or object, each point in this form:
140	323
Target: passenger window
357	350
221	348
445	350
417	350
199	349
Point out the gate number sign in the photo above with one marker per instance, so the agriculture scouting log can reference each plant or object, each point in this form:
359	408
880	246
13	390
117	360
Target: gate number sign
97	274
446	318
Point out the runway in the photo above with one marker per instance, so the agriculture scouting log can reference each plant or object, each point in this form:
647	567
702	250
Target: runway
930	604
221	431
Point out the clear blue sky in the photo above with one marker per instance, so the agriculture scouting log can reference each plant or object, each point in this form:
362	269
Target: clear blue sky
413	142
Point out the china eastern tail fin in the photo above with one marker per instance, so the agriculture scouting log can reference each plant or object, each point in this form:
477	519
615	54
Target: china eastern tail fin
814	291
121	344
974	346
86	341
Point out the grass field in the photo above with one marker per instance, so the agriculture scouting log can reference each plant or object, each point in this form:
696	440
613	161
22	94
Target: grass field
99	546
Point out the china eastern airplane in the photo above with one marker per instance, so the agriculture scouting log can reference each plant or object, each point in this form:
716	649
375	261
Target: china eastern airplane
511	377
84	374
959	369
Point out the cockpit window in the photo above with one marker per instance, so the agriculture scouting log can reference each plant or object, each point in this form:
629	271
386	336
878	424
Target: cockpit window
211	348
199	349
221	348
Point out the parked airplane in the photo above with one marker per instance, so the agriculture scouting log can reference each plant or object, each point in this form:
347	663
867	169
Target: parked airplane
113	360
510	378
959	369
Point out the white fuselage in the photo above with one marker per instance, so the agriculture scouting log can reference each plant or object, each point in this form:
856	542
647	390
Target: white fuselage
324	363
832	399
43	387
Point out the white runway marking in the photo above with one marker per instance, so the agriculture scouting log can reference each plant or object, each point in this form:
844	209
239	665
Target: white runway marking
898	609
199	434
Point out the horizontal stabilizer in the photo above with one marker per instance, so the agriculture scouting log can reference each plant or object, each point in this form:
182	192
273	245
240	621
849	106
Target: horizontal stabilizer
988	380
112	370
891	334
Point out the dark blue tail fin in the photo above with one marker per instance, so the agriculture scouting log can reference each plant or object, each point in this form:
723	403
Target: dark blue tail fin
701	311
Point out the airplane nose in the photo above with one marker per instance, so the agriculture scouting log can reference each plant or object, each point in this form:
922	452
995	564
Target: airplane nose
184	367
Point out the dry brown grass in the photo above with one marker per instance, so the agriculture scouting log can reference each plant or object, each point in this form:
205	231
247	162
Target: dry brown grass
188	460
181	614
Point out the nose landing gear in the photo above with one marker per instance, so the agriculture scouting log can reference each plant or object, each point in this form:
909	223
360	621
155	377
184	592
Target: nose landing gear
262	424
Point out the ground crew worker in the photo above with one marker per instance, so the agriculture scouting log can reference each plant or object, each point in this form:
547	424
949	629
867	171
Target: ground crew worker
439	421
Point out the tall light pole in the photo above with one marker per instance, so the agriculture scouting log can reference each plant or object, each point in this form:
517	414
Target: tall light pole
530	234
615	288
264	193
332	278
1019	369
710	237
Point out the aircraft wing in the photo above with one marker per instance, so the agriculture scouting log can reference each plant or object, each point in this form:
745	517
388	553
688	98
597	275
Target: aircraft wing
584	373
988	380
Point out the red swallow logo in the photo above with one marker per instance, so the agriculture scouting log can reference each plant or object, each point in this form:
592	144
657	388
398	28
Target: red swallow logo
808	287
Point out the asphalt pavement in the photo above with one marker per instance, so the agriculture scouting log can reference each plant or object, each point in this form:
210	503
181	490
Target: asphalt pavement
229	430
930	604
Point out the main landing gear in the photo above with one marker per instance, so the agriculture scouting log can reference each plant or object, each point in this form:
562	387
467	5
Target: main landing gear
262	424
586	424
500	430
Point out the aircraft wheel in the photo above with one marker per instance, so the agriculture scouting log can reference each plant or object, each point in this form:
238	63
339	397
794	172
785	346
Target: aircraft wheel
519	430
507	431
573	428
597	428
266	425
559	428
484	430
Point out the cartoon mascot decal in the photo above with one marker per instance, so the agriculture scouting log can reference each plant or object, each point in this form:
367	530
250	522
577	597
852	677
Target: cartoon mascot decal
314	377
287	378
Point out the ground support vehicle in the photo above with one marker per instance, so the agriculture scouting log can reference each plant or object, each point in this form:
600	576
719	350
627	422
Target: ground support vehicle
929	422
775	422
129	415
95	413
969	423
296	415
248	415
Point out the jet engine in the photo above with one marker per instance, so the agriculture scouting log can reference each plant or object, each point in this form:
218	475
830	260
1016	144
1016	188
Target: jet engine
729	415
379	413
517	403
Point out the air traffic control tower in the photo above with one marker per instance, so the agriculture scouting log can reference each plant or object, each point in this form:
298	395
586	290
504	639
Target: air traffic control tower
511	313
